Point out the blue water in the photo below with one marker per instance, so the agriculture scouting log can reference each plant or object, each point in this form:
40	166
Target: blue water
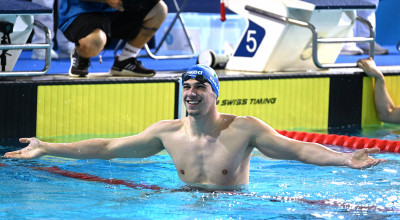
277	190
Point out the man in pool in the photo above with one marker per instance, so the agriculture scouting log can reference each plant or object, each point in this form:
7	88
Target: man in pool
209	149
387	111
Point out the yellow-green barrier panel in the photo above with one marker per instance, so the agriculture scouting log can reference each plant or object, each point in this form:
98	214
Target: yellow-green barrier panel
74	112
282	103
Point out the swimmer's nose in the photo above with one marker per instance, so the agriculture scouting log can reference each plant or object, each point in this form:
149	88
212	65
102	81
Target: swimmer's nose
192	93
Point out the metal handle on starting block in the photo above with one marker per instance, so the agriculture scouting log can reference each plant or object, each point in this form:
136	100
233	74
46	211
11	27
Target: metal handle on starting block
46	46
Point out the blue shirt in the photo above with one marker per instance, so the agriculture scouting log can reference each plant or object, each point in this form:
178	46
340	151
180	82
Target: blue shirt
70	9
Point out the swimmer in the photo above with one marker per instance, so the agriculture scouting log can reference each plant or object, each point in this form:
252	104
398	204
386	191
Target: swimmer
209	149
387	111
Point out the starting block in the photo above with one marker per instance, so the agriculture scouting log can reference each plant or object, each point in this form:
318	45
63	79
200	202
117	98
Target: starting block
16	24
293	35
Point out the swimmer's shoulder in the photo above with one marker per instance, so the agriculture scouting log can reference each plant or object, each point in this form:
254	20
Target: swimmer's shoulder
239	119
249	123
167	125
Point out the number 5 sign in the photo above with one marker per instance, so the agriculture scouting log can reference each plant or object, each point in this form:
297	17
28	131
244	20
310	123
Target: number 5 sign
251	40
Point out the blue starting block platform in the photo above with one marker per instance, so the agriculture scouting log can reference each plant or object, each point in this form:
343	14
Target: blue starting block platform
341	4
294	35
18	7
16	24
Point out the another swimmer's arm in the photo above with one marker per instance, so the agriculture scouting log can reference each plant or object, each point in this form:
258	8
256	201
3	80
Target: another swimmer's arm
387	111
274	145
142	145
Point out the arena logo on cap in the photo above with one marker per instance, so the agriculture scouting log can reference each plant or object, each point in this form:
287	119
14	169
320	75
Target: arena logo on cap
197	72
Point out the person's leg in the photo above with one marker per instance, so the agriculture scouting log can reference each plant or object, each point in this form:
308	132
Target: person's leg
150	25
92	44
126	63
89	32
361	30
39	35
350	48
87	47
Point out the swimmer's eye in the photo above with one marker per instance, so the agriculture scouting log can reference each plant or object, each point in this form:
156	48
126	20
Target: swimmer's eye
201	85
196	85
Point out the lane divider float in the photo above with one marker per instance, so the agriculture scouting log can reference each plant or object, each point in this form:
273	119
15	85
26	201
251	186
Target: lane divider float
343	140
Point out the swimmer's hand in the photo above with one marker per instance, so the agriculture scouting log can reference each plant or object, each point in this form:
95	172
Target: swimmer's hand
369	66
360	159
32	151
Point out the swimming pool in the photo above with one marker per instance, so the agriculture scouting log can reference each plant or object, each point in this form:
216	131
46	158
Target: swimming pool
150	189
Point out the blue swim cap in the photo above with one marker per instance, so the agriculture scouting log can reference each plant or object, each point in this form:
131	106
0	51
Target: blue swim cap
203	73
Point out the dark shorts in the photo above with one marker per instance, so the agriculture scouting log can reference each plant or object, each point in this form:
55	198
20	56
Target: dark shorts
121	25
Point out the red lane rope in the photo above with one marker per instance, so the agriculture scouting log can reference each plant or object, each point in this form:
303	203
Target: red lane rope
93	178
343	140
89	177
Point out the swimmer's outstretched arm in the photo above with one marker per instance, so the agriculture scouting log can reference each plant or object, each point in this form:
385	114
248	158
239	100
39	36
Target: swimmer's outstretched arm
138	146
387	111
274	145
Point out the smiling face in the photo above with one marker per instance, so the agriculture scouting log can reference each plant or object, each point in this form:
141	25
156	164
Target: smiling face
198	97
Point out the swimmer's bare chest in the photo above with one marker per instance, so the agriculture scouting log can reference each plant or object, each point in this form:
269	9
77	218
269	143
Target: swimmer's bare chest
209	160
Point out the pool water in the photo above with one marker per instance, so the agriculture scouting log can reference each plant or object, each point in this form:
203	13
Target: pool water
150	189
